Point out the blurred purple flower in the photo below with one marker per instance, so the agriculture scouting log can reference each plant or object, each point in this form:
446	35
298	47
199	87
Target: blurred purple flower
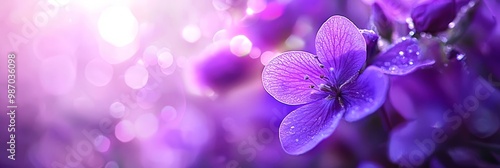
434	17
474	25
383	24
220	70
329	84
398	10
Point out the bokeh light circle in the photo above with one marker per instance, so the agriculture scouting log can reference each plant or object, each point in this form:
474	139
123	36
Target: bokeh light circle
124	131
255	53
118	26
165	58
267	56
136	76
191	33
240	45
117	110
102	143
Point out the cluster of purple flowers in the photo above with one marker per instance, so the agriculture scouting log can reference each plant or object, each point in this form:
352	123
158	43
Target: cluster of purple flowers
429	68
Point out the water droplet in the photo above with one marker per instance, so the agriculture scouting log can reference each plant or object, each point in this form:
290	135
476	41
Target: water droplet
393	68
451	25
369	100
292	127
411	62
411	33
410	51
401	53
460	57
409	21
332	69
296	140
418	53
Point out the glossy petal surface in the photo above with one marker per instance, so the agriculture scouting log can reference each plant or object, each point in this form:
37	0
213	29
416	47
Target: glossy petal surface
402	58
285	78
340	45
305	127
434	17
366	94
371	39
423	136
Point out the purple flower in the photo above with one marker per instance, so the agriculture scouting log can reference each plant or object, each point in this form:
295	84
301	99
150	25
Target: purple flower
329	85
371	39
399	10
434	17
383	24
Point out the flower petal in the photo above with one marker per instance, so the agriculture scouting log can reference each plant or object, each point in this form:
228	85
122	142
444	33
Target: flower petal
402	58
341	47
305	127
483	123
421	136
365	95
382	23
284	78
433	17
371	39
399	10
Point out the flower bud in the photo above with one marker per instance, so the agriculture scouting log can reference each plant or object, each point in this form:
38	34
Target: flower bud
371	39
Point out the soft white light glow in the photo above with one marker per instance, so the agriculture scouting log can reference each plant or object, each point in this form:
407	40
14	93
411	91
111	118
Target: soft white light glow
191	33
240	45
136	76
165	58
124	131
118	26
